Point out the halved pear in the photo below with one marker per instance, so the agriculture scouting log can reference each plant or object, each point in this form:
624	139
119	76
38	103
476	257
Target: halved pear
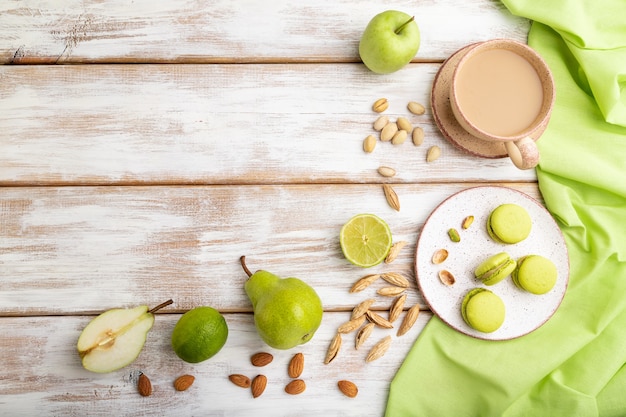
115	338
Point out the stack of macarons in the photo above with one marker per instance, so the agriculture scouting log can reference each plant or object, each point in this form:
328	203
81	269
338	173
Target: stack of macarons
481	308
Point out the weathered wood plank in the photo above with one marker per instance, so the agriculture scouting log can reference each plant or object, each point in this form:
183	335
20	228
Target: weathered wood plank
77	31
42	374
75	250
218	124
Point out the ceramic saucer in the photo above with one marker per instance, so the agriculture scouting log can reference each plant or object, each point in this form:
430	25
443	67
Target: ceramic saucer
445	120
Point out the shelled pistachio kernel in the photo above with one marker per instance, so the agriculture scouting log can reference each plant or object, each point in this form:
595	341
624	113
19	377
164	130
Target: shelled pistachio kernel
467	222
454	235
388	131
399	138
433	153
404	124
416	108
369	143
380	105
380	123
418	136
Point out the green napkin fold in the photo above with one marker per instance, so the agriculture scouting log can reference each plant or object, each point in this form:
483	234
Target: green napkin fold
574	365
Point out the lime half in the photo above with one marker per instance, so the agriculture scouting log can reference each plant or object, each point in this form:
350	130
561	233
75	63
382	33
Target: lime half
365	240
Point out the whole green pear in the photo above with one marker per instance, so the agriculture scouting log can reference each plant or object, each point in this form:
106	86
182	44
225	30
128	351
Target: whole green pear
287	311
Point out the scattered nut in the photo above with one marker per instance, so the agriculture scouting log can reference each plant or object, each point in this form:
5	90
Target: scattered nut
388	131
433	153
380	123
404	124
394	252
348	388
363	334
240	380
392	197
379	349
295	387
369	143
296	365
390	291
396	307
409	319
364	282
144	386
386	171
454	235
362	308
378	320
439	256
396	279
258	385
333	349
416	108
351	325
418	136
261	359
380	105
183	382
446	277
467	222
399	137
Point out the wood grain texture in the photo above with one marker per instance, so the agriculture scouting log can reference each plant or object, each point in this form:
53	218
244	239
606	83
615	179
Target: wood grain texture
219	124
42	374
77	31
76	250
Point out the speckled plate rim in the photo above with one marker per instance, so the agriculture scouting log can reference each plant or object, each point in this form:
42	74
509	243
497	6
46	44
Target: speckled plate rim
445	120
525	312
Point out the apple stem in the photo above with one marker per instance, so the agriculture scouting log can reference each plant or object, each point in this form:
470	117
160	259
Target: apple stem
160	306
243	265
397	31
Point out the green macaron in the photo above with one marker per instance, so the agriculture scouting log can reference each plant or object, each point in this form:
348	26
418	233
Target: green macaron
483	310
495	268
535	274
509	223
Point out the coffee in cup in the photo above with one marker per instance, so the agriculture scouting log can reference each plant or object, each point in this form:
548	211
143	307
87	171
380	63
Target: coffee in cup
503	91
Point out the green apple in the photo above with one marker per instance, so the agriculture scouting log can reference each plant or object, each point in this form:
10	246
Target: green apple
115	338
389	42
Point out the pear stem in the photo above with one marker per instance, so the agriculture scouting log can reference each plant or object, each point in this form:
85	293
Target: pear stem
397	31
160	306
243	265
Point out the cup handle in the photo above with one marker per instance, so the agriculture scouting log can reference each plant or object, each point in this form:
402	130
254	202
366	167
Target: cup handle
523	153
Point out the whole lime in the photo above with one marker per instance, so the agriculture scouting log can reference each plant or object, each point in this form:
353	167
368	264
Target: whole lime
199	334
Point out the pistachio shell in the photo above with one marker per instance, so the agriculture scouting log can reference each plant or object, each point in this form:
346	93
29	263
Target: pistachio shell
446	277
439	256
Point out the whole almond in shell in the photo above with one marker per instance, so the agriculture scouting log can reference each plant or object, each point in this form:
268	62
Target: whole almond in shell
295	387
296	365
258	385
183	382
261	359
348	388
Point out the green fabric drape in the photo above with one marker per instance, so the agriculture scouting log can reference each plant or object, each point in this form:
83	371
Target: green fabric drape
574	365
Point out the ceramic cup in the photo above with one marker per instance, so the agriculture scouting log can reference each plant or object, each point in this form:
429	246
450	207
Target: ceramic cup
503	91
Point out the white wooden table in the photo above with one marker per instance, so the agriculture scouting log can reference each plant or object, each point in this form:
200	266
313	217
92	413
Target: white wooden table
178	136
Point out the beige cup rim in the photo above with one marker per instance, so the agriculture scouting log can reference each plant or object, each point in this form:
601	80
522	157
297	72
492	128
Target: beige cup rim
538	64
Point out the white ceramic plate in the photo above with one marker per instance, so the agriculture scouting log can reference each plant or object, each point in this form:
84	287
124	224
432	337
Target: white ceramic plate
525	312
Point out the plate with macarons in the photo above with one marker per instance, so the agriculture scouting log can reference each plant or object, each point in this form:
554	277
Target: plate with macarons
492	263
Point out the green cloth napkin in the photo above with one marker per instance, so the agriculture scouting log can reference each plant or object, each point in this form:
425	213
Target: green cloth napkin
574	365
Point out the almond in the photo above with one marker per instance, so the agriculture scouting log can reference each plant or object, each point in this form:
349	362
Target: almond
364	282
362	308
396	308
261	359
183	382
240	380
378	320
396	279
296	365
295	387
409	319
258	385
333	349
379	349
363	334
144	386
390	291
392	197
352	325
348	388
